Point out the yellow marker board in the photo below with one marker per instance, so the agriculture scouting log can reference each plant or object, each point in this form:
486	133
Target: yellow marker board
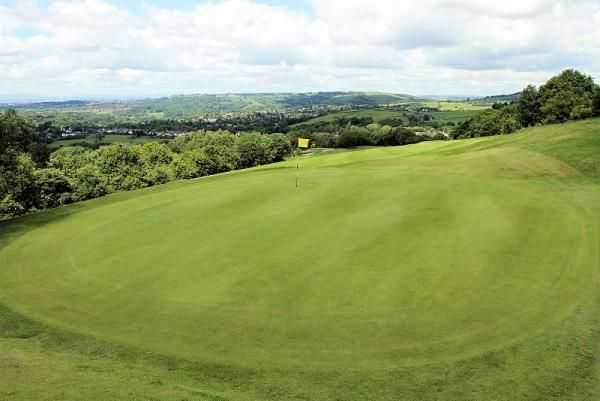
303	143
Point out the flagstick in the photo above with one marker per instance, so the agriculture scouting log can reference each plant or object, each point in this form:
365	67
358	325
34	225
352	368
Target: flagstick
297	170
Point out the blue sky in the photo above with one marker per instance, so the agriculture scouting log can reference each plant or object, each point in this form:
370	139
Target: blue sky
136	6
123	48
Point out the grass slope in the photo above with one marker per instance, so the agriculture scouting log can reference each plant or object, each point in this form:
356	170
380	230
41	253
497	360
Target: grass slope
440	271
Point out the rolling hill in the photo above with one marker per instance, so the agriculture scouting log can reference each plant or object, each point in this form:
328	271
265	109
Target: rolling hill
513	97
194	106
450	270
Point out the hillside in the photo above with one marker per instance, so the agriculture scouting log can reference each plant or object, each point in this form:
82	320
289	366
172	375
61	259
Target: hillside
513	97
382	115
194	106
447	270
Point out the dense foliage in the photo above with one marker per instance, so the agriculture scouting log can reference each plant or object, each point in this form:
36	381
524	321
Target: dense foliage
570	95
77	173
17	139
371	135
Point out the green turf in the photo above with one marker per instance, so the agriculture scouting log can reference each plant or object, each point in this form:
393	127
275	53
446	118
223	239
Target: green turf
462	270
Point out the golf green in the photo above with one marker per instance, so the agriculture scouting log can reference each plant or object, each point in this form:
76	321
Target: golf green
381	259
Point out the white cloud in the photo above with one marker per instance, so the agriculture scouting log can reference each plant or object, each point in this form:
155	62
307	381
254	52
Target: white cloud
96	48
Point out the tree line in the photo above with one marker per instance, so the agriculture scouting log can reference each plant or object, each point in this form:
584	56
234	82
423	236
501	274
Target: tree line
571	95
351	136
73	174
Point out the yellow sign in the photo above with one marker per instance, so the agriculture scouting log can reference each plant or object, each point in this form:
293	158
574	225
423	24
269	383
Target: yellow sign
303	143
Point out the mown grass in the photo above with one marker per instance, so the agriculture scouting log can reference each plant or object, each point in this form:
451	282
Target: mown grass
440	271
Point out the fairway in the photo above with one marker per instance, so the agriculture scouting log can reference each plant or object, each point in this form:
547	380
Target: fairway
443	270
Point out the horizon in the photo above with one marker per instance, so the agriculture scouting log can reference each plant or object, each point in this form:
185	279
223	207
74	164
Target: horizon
123	49
109	99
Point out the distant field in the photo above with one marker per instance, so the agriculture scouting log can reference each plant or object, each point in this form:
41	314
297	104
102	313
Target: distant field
455	105
450	270
456	116
106	140
452	112
376	115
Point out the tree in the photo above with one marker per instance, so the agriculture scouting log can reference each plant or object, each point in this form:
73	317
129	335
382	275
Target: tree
21	192
185	166
529	107
404	136
17	182
70	159
596	101
567	96
254	149
220	150
490	122
155	159
87	183
354	136
281	147
120	167
16	136
324	140
386	137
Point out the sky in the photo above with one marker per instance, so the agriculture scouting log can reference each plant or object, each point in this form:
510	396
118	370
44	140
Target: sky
111	49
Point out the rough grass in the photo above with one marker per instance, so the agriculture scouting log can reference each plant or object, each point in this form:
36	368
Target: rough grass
464	270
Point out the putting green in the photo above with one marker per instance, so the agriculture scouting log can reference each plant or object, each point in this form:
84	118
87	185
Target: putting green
383	258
